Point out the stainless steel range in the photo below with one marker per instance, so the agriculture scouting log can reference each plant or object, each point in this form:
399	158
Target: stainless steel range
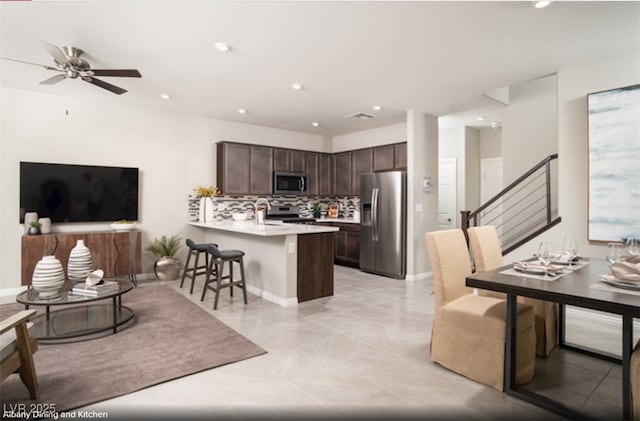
287	215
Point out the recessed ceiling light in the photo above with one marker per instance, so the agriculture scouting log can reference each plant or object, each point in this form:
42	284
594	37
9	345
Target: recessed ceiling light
165	96
377	107
242	110
481	118
296	86
315	124
222	46
541	4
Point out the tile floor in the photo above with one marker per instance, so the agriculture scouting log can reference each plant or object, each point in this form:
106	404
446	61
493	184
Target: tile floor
362	353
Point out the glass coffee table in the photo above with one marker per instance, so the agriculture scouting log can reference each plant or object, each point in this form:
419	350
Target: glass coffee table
69	315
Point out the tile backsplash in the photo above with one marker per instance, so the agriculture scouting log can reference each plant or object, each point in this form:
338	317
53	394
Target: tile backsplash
225	206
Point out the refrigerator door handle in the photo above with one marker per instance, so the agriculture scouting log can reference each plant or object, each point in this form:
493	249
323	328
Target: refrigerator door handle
374	212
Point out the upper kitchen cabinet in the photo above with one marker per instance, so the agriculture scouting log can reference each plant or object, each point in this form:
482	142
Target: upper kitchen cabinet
312	172
244	169
324	175
400	156
233	160
383	159
362	163
261	170
289	160
342	174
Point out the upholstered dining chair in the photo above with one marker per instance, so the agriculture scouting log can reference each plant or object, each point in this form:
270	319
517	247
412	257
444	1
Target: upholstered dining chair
468	334
487	255
16	350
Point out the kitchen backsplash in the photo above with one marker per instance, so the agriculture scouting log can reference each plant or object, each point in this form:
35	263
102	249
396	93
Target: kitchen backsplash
225	206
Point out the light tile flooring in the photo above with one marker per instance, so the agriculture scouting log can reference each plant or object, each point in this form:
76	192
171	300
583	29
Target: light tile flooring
363	352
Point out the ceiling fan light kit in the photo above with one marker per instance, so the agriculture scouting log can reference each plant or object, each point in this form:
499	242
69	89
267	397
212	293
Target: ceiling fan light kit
70	65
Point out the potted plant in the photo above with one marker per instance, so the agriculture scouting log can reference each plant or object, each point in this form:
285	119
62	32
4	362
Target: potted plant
167	266
34	228
316	209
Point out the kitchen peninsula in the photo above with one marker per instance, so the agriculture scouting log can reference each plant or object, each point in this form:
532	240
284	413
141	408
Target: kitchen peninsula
285	264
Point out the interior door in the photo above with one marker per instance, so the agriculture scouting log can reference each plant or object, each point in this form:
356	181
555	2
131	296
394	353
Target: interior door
447	191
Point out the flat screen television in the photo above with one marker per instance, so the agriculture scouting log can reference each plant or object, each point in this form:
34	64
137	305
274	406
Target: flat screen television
78	193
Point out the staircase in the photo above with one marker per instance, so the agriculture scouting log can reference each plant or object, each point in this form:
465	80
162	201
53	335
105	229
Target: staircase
522	210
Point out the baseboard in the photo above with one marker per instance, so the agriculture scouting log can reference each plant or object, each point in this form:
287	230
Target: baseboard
12	292
418	277
283	302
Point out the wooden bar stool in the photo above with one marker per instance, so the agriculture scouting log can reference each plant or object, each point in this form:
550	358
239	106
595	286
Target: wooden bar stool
192	272
216	269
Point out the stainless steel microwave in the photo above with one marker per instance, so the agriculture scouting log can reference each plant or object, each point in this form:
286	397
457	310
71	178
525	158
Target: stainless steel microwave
288	183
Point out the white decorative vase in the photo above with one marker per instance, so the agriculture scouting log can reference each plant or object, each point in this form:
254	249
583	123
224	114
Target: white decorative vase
80	262
206	209
45	225
28	218
48	277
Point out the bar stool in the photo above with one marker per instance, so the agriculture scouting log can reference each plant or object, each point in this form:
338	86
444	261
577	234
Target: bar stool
192	272
216	268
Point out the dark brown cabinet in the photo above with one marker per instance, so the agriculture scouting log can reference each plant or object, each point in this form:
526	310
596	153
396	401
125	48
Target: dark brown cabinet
383	158
342	174
289	160
362	163
117	253
311	170
400	156
324	175
315	266
233	160
261	170
244	169
347	244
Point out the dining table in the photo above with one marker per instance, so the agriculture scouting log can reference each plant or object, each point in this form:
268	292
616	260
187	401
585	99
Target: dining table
578	286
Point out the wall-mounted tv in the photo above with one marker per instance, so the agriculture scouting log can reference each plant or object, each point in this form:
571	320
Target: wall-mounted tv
78	193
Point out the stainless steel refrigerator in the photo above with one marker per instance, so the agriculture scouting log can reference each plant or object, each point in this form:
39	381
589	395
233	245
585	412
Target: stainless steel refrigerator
383	226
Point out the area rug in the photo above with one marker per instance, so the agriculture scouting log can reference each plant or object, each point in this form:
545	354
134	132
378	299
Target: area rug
171	337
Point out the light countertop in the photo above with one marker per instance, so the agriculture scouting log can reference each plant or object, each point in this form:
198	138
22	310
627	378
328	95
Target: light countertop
340	220
251	228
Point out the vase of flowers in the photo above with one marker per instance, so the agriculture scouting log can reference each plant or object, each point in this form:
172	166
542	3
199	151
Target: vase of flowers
206	202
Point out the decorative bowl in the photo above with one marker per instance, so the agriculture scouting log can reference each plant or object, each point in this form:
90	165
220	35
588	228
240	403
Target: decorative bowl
94	277
239	216
122	226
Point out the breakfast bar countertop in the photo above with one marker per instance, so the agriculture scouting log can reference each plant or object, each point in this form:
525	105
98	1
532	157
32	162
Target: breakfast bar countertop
339	220
251	228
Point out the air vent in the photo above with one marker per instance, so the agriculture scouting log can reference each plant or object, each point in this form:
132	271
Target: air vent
360	116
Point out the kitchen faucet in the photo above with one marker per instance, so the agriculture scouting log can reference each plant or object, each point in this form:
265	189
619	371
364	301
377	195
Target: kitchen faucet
260	213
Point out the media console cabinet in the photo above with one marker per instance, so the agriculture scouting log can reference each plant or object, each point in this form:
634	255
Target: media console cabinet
117	253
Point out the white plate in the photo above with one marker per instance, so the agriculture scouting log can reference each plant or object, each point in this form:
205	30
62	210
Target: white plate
123	227
530	271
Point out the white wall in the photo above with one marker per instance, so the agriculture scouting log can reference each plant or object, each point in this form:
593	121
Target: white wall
574	83
490	143
471	170
422	208
367	138
174	153
451	144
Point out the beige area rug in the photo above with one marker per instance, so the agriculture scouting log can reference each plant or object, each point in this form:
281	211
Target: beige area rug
171	337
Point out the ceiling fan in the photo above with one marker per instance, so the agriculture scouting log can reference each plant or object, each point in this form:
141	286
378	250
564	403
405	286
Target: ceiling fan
70	65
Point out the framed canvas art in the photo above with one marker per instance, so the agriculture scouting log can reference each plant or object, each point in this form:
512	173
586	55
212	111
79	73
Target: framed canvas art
614	164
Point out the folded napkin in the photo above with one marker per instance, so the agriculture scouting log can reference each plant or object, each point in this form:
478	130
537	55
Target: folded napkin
634	258
538	266
625	271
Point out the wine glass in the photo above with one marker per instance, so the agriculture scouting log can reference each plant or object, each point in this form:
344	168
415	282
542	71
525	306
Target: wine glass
633	246
615	252
545	253
570	247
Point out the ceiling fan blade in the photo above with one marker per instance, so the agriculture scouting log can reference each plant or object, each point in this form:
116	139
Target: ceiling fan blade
117	72
56	52
54	79
28	62
101	83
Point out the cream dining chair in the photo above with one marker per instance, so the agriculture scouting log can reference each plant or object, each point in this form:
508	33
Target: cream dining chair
487	255
468	334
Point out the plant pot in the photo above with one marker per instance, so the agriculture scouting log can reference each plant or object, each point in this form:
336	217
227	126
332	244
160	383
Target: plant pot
316	214
33	231
167	268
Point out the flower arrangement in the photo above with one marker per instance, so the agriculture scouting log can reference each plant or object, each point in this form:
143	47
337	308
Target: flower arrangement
210	191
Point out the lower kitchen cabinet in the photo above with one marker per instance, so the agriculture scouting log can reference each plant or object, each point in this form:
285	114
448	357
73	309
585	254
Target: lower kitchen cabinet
347	244
315	266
